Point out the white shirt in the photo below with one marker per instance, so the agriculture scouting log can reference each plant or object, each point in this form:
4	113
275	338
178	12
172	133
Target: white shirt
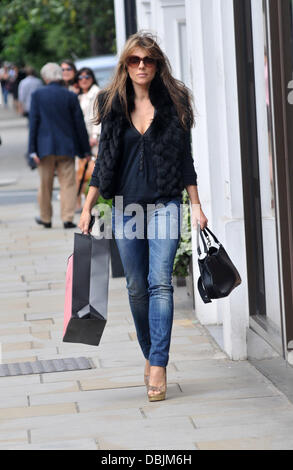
86	101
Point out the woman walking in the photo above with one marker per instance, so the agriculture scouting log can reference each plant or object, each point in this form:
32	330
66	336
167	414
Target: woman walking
69	75
145	158
88	92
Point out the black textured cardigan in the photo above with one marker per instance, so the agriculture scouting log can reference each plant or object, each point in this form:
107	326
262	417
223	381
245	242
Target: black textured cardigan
174	168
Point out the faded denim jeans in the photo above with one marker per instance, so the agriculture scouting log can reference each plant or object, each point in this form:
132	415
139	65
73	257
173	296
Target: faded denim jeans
148	260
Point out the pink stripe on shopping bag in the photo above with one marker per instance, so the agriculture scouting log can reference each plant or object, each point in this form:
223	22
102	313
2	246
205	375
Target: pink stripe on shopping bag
68	293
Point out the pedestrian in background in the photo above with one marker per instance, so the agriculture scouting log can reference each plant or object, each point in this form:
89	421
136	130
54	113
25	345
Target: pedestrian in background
26	88
88	92
145	157
57	134
4	76
69	75
17	76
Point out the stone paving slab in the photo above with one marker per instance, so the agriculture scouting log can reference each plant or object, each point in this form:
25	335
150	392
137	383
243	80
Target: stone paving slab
8	305
73	444
41	410
240	418
12	317
98	373
136	434
123	396
6	332
131	432
38	420
219	408
7	438
238	444
38	388
49	314
23	358
23	353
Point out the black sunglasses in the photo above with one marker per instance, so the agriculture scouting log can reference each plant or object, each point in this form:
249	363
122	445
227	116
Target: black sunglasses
67	69
86	77
134	61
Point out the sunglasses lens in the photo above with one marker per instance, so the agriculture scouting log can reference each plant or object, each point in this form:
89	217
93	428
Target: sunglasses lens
67	69
135	61
149	61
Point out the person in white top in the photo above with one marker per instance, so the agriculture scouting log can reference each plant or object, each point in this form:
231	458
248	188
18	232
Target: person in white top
88	91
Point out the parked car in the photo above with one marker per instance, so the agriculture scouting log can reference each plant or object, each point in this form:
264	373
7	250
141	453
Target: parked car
103	67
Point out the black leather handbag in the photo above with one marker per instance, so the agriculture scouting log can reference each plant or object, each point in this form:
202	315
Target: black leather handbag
218	275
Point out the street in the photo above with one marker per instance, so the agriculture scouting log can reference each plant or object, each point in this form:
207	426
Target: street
212	402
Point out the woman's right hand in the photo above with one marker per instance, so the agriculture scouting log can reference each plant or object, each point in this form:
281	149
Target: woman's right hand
84	222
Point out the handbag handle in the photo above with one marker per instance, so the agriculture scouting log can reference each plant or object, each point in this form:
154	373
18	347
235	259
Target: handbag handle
213	235
206	243
199	232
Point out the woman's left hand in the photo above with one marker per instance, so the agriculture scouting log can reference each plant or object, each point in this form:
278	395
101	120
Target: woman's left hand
198	217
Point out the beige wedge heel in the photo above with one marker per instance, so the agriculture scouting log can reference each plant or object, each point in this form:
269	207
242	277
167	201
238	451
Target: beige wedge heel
161	389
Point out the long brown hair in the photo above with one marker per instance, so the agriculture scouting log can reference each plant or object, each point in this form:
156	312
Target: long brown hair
179	93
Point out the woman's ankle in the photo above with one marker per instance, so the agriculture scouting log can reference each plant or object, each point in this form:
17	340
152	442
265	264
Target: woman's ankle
157	374
147	367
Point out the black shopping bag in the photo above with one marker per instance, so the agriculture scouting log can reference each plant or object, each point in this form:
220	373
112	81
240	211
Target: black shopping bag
87	283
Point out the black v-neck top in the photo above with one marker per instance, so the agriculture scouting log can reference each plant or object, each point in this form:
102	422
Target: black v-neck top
136	180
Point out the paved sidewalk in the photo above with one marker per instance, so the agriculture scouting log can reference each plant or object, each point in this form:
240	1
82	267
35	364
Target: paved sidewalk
212	402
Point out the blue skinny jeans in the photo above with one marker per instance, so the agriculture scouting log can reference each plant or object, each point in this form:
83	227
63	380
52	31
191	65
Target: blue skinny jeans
148	260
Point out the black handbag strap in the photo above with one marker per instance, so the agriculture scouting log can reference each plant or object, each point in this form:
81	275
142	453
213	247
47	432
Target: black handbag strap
206	229
204	234
199	232
202	291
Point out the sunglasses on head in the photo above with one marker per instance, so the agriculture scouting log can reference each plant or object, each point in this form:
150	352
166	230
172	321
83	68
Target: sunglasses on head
67	69
86	77
134	61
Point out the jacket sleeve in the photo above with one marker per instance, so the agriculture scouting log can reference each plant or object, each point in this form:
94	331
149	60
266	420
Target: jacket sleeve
188	171
80	128
94	181
34	120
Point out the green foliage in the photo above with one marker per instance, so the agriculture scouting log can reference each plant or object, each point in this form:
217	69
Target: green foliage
184	250
101	200
38	31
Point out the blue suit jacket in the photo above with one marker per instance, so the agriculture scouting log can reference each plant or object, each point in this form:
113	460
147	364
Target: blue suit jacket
57	125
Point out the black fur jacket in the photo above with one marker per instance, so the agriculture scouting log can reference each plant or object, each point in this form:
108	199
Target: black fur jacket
167	139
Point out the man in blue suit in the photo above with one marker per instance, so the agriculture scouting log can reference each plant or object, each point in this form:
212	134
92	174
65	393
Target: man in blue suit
57	134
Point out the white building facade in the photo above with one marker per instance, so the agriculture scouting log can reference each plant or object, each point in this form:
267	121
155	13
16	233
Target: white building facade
221	49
